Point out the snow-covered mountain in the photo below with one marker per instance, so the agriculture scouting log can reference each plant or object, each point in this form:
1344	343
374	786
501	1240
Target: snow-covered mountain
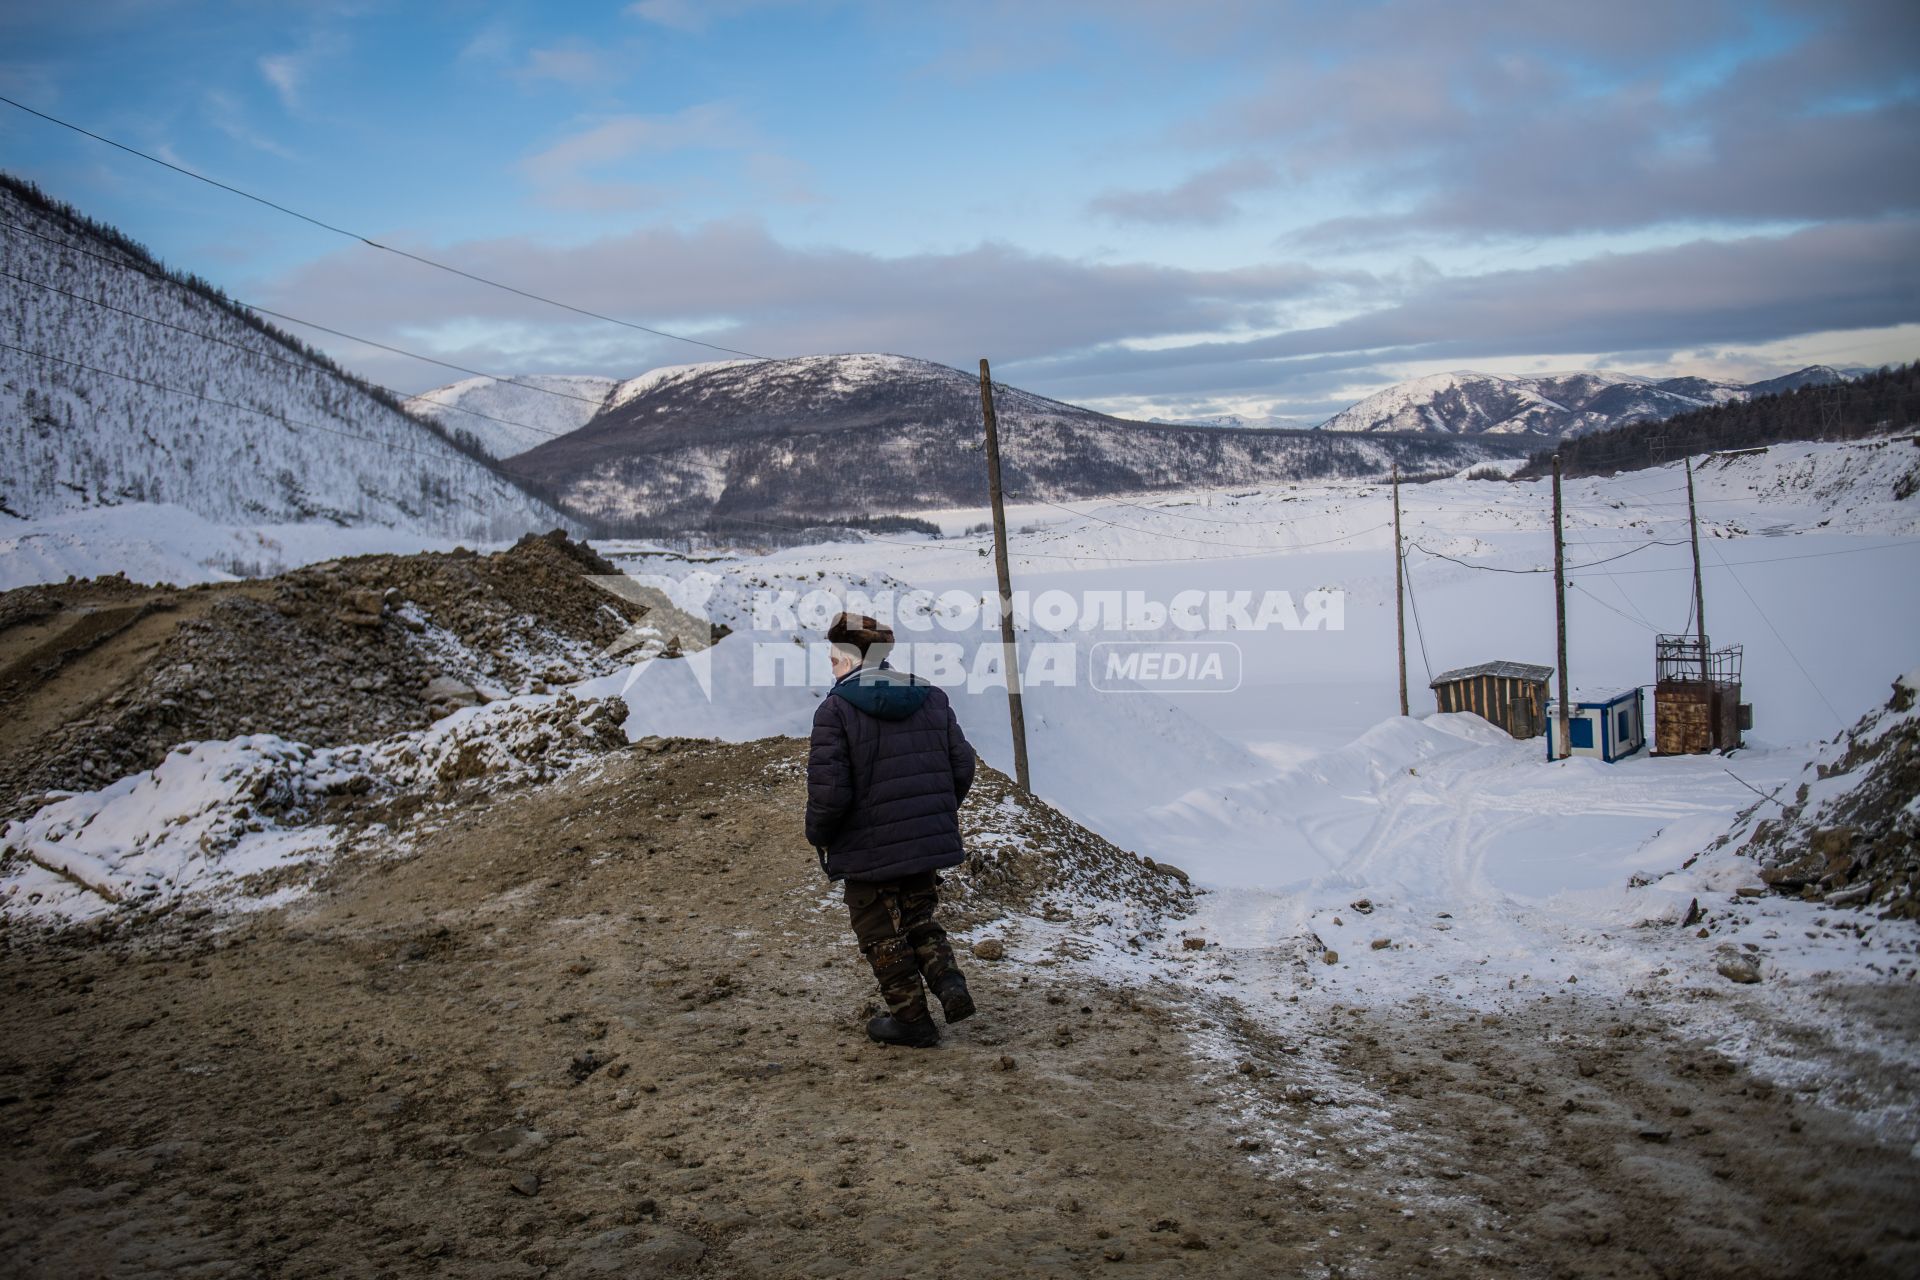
1556	404
122	383
1234	422
857	434
501	418
1814	375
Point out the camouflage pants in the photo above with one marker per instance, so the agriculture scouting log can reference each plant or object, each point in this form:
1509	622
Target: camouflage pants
893	919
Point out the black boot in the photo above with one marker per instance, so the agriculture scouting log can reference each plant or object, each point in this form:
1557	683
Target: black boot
955	1000
919	1033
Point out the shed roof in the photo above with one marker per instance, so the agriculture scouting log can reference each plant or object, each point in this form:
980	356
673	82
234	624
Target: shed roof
1504	669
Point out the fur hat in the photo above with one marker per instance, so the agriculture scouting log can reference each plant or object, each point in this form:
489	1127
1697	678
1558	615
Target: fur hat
858	631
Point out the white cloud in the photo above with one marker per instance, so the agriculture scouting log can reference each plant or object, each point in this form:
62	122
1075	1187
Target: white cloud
285	72
593	169
225	113
573	65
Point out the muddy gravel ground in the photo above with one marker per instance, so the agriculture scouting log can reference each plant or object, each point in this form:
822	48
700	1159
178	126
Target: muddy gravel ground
611	1026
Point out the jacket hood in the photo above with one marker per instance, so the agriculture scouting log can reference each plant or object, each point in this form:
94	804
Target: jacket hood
884	693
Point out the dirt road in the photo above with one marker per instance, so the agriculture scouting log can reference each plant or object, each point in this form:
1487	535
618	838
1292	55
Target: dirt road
612	1027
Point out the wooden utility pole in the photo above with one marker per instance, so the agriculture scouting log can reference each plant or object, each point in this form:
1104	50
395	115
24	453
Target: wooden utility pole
1560	611
1699	592
1399	588
1009	647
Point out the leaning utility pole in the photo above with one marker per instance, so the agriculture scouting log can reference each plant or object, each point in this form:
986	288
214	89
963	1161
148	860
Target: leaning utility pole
1399	588
1560	611
1699	593
1009	647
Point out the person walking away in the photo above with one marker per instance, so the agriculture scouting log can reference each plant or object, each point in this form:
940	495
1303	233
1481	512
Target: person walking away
887	770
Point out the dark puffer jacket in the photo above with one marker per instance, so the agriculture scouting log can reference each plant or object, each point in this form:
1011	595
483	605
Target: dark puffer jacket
886	774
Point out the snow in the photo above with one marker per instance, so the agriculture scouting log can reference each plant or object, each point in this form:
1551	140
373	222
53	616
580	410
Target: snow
213	814
1469	402
1490	875
505	418
172	829
268	436
633	388
1493	875
155	542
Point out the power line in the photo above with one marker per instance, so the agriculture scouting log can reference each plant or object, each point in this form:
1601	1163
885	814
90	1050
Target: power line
375	244
164	278
1205	542
1618	588
1419	632
1809	555
308	366
1821	693
228	404
1591	564
302	366
1182	515
1638	622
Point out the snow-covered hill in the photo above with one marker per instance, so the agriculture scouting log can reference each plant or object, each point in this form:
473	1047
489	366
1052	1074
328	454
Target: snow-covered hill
124	386
501	418
852	434
1235	422
1557	404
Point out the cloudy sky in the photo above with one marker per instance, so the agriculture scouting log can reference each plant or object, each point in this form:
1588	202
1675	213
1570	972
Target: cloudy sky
1147	206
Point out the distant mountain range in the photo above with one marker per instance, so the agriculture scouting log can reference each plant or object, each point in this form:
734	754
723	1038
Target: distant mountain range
1555	405
848	435
1238	422
125	382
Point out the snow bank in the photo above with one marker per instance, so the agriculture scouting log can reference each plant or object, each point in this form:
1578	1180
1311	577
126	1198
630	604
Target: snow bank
213	814
154	543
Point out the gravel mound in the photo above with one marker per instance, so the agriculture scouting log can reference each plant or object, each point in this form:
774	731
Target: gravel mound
346	651
1852	835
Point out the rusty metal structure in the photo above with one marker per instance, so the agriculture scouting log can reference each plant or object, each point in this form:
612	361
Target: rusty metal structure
1696	696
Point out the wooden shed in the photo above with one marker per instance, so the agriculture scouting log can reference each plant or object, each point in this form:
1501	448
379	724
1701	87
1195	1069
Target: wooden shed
1512	695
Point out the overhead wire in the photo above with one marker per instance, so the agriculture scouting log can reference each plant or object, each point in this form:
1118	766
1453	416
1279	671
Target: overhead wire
1591	564
1419	632
1809	555
375	244
300	366
227	404
1210	542
307	366
1183	515
1619	589
1818	691
566	306
308	324
1638	622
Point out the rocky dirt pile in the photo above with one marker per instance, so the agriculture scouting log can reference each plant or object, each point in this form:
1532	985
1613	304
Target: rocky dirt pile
1024	856
1852	834
346	651
247	816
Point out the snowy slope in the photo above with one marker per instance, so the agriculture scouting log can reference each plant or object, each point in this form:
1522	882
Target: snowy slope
1355	858
1274	787
1236	422
502	418
291	441
1553	404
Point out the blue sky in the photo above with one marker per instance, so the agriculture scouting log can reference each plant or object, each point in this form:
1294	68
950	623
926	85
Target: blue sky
1259	207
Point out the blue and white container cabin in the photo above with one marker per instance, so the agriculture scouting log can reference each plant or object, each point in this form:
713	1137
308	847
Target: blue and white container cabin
1609	725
